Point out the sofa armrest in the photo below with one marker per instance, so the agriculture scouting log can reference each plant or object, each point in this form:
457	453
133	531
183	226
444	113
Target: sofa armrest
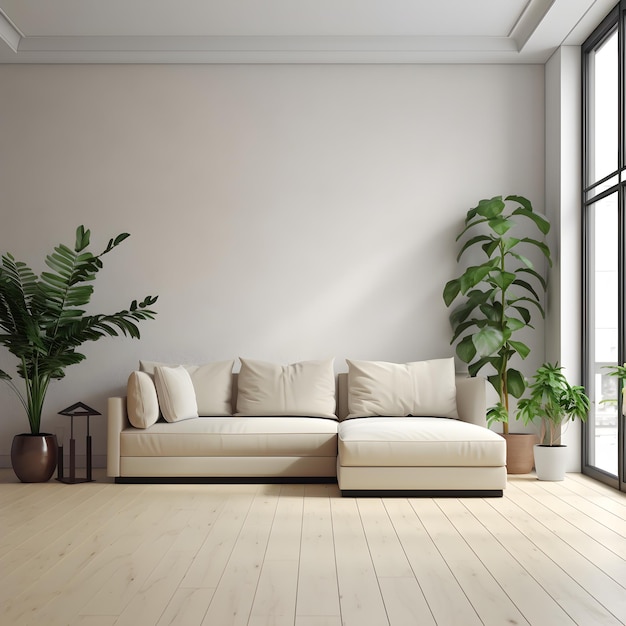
117	420
471	400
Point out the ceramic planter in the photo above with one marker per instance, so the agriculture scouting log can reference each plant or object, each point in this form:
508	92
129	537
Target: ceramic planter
550	462
34	457
519	452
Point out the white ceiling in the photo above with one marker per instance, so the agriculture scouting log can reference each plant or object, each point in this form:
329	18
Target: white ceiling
293	31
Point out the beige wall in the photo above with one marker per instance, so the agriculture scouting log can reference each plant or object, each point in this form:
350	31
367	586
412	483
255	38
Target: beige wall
280	212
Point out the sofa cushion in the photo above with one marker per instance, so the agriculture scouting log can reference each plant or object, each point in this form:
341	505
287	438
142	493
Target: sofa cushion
421	388
301	389
141	400
418	442
177	397
234	436
212	382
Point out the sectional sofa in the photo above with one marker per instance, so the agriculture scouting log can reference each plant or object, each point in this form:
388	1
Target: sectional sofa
379	429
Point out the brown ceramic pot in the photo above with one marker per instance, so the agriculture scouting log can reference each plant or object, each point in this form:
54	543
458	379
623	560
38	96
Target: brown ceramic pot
34	457
519	452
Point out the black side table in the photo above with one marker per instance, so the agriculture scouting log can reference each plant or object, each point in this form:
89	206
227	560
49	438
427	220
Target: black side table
76	410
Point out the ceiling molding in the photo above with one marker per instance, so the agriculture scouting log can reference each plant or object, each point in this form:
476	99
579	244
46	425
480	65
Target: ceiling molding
540	28
267	50
9	33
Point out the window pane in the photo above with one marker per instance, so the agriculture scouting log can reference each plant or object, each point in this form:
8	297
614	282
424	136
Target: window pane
603	110
603	314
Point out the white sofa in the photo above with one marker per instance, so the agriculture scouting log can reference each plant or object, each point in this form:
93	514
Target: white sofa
375	455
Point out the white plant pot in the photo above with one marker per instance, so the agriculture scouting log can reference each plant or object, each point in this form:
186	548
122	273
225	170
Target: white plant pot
550	462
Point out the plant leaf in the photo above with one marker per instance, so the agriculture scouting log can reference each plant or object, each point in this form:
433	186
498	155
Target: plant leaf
516	384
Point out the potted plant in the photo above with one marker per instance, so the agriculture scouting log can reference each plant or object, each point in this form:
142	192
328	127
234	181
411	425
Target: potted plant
42	323
499	297
554	402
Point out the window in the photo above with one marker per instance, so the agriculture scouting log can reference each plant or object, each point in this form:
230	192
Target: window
604	179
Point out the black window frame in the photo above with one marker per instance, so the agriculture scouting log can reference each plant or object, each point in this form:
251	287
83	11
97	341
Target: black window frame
615	19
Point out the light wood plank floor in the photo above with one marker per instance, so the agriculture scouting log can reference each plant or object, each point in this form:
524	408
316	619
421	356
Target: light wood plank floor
100	554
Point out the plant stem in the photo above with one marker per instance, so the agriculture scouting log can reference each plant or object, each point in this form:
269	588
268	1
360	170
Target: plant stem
504	397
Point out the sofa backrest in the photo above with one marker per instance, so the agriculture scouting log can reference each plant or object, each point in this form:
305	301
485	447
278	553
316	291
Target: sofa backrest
471	398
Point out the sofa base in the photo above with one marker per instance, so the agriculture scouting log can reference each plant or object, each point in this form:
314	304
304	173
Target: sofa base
422	493
236	468
223	480
422	479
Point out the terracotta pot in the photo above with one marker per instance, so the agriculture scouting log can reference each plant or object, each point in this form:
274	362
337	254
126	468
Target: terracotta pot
34	457
519	452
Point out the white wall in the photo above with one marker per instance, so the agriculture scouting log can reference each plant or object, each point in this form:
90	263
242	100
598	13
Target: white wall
563	183
280	212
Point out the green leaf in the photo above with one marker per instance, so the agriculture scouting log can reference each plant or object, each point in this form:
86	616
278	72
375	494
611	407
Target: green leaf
490	208
541	245
514	324
525	202
461	328
492	312
476	366
540	220
497	413
527	286
451	291
487	341
474	299
521	348
503	279
466	350
470	242
527	299
509	243
501	225
491	247
82	239
524	312
525	261
473	276
516	385
536	274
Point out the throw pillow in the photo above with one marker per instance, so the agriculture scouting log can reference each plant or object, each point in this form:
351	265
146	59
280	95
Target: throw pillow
212	382
177	397
300	389
141	400
421	388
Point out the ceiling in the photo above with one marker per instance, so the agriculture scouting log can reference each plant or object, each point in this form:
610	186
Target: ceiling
293	31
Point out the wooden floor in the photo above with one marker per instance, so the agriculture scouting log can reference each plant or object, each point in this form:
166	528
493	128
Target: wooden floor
100	554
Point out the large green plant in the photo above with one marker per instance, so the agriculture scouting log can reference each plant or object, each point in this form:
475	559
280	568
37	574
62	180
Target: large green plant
553	401
499	295
42	322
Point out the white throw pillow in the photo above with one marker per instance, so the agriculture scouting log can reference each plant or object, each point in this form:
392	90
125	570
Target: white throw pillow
212	382
306	388
141	400
422	388
177	397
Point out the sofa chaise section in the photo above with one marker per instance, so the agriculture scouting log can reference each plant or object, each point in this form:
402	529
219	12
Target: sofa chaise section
435	456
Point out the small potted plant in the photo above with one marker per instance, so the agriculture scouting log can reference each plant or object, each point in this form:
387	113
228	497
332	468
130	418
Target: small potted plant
553	402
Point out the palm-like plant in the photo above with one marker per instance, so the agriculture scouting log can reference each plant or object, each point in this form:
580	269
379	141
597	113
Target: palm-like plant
42	321
496	295
553	401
